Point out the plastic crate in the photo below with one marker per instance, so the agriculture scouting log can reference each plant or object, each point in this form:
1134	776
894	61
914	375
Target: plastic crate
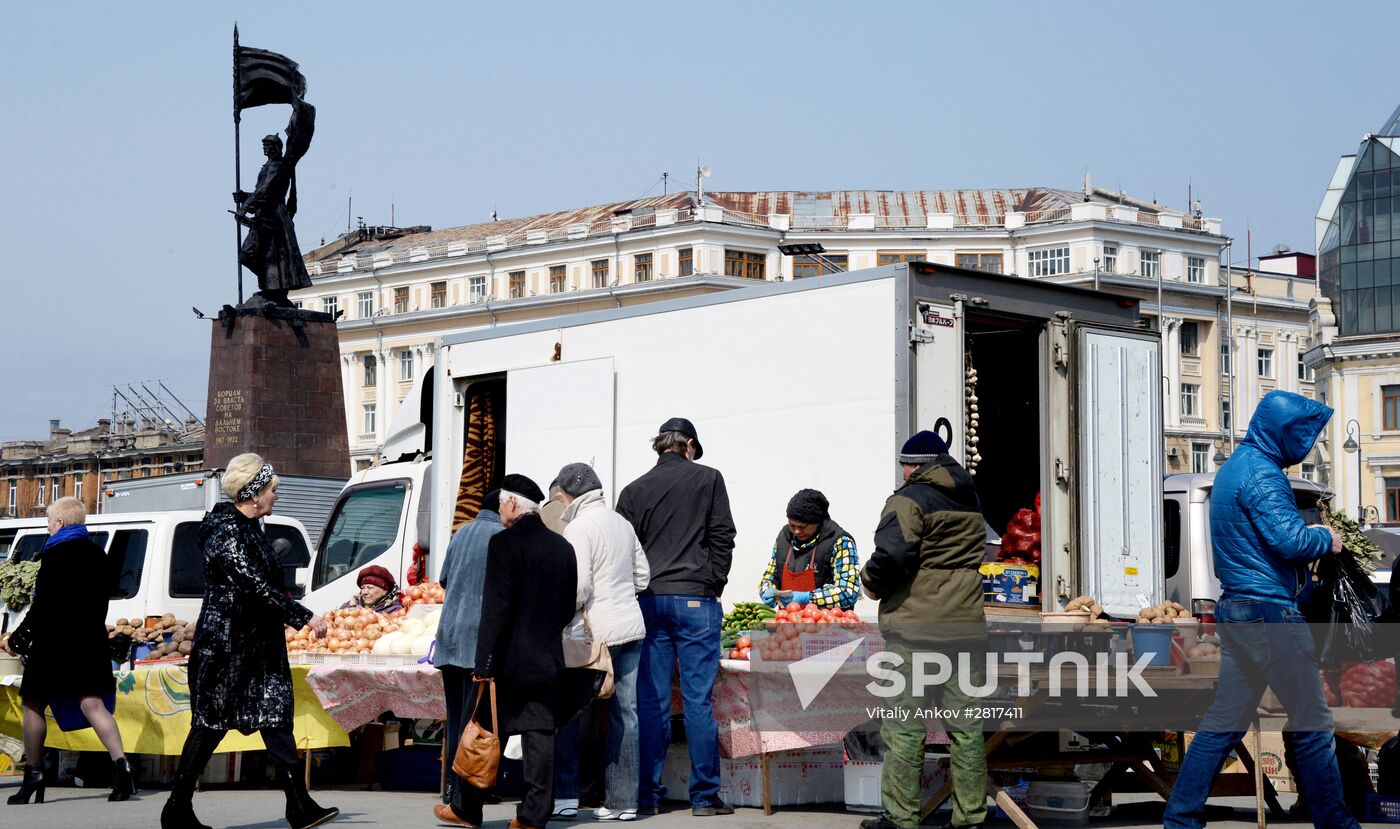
1382	808
1058	802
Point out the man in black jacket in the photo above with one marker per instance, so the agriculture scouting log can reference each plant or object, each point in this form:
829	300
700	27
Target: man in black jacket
527	600
680	511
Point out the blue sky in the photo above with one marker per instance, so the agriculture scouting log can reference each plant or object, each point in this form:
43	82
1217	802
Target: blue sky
118	139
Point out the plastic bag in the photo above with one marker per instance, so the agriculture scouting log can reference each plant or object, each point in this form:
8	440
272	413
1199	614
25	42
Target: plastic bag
1345	609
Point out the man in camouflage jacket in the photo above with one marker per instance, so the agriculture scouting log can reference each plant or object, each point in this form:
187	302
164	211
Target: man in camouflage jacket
929	545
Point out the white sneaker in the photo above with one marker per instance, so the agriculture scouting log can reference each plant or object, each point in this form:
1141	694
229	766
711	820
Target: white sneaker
604	813
565	809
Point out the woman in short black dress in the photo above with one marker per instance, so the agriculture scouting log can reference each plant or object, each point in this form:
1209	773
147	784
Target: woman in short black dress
63	639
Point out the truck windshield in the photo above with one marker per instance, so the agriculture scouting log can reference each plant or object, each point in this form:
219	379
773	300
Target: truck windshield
365	523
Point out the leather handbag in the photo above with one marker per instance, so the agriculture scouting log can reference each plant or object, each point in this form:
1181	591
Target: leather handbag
590	653
479	751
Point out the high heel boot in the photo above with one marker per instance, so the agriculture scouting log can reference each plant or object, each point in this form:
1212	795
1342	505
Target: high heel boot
302	811
178	812
123	781
33	785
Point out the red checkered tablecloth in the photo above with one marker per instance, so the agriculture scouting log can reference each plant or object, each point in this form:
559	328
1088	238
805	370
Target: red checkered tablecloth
357	694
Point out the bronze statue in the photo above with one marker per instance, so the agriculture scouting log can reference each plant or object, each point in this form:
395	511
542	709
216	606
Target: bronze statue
270	249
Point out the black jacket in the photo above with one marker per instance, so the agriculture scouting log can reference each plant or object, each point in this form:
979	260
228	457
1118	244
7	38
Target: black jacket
680	511
527	601
64	635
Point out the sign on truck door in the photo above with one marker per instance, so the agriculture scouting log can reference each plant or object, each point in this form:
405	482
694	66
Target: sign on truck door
1120	467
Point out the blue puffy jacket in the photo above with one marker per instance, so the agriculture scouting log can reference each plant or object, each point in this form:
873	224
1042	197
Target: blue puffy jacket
1260	541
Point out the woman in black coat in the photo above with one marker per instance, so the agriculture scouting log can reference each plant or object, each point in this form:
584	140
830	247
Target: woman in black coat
238	671
64	641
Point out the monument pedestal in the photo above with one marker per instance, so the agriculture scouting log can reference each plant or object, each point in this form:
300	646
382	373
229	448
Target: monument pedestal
275	389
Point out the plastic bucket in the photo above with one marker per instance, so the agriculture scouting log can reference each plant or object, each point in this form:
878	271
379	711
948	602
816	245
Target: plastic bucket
1154	640
1058	802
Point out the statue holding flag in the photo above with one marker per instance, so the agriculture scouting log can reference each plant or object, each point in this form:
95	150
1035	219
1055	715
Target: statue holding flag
270	249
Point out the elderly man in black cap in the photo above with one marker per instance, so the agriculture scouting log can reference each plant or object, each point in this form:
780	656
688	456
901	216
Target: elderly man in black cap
680	511
527	601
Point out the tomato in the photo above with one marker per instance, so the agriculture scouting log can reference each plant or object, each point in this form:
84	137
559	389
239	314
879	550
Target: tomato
734	653
781	617
744	652
743	643
793	607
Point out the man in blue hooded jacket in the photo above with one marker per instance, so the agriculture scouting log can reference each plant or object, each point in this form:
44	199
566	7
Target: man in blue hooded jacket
1261	548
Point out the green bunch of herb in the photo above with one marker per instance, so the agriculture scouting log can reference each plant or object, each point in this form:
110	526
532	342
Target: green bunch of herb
17	584
1363	549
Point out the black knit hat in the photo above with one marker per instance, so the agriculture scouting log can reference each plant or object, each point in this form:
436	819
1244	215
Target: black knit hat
521	485
922	448
808	506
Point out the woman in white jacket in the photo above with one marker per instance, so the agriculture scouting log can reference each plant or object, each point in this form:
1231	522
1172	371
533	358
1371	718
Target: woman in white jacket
612	570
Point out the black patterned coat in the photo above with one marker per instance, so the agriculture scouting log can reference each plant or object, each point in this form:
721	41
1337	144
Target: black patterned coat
239	676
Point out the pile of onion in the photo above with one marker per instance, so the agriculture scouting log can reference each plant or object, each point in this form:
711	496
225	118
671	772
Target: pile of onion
348	630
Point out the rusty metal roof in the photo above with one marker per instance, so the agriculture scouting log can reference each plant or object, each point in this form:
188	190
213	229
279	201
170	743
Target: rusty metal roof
815	210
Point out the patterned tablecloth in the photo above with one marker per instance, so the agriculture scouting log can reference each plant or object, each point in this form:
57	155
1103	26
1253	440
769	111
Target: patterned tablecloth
357	694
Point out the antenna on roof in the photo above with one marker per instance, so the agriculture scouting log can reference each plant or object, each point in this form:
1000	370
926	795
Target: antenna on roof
665	177
702	172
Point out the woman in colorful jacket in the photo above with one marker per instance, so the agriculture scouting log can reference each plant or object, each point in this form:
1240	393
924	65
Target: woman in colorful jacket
377	591
813	558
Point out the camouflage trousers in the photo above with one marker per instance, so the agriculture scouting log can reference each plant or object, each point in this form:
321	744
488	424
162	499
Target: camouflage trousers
901	777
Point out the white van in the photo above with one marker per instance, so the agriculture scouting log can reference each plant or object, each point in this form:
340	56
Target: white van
1189	557
155	563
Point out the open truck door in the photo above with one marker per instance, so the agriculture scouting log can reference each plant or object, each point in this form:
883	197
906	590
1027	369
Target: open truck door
1119	470
565	413
939	381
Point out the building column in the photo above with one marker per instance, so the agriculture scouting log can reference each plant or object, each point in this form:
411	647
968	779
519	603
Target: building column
1171	358
385	397
348	390
1246	375
1288	361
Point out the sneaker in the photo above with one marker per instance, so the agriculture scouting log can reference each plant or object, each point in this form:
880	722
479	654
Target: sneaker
566	809
878	822
714	807
604	813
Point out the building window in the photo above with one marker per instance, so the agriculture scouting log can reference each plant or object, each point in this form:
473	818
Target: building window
1110	258
987	262
1152	263
1190	400
406	365
1304	373
1224	356
371	370
476	288
641	267
14	494
556	279
1225	415
891	257
1048	261
330	305
1390	408
78	487
1266	363
1200	457
438	295
600	273
744	263
1392	499
368	425
401	300
55	490
1191	339
1308	471
687	262
366	303
804	266
1196	269
517	284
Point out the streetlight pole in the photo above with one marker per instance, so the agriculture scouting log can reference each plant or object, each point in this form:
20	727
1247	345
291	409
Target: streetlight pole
1096	273
1353	444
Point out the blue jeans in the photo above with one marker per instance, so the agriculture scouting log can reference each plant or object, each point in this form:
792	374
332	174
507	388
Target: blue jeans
682	629
622	769
1263	645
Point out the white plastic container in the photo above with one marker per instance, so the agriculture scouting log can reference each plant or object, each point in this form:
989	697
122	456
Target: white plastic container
1050	801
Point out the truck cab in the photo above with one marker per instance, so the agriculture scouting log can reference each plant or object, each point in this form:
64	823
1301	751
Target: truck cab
1189	561
154	562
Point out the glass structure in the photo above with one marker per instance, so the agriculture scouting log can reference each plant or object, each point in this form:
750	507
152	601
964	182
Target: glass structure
1359	257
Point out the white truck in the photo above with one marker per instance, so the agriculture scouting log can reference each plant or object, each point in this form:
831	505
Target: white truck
811	383
155	565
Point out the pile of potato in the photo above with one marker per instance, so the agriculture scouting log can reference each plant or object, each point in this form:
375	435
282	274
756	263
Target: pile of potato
1203	650
181	635
1165	613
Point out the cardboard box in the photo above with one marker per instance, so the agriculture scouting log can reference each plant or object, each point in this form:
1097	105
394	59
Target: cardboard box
1271	748
799	777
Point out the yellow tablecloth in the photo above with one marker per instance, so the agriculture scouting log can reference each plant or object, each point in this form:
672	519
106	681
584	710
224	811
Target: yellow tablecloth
153	713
